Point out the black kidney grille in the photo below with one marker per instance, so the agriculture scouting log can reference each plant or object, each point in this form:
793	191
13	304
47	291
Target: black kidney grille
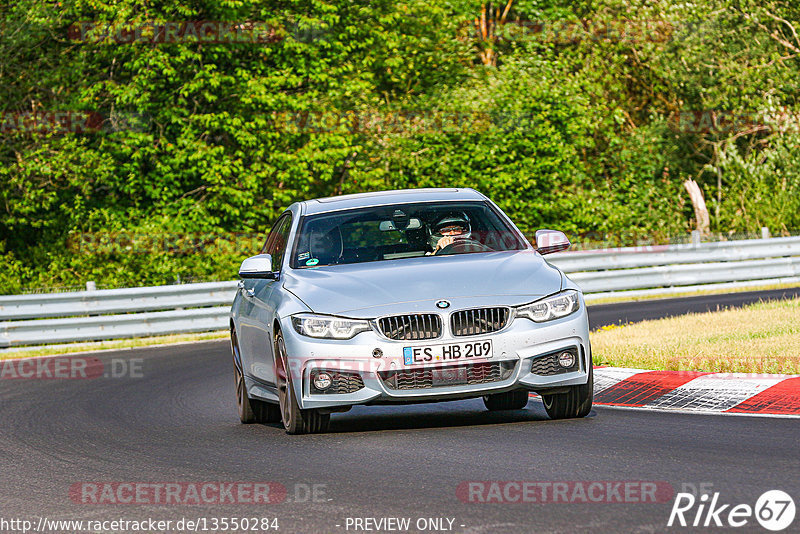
411	327
478	321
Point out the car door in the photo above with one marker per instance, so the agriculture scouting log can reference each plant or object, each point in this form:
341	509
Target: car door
259	305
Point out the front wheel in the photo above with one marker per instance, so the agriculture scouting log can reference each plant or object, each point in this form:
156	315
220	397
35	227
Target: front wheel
250	410
575	403
295	419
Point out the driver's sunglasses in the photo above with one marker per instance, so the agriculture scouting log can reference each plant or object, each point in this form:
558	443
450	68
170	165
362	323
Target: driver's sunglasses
452	230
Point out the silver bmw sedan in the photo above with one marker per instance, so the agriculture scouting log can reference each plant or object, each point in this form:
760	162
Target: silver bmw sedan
405	297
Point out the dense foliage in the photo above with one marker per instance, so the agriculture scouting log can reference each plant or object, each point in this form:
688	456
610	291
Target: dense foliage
586	116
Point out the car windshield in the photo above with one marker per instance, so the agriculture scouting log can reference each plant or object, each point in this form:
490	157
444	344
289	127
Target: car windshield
401	231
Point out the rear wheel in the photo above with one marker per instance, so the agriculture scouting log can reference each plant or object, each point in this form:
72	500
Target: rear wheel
577	402
250	410
295	419
510	400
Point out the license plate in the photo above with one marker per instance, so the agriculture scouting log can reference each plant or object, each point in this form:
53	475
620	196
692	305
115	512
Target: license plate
450	352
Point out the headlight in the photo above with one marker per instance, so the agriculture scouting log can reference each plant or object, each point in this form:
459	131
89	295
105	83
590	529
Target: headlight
328	327
550	308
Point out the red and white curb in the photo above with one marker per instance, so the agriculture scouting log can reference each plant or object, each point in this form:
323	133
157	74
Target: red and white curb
700	392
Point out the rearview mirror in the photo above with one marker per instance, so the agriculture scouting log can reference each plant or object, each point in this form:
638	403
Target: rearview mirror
387	226
257	267
549	241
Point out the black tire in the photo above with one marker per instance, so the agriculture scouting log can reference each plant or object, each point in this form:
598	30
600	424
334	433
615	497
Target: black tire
250	410
575	403
295	420
510	400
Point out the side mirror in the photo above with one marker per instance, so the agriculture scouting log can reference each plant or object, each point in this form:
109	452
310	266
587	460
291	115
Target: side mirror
549	241
257	267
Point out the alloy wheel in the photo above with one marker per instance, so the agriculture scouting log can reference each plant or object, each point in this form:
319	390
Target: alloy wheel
283	379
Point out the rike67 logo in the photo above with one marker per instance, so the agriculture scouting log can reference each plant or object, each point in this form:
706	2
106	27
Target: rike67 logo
774	510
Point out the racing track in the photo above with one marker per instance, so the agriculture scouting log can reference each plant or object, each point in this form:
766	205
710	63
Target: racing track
177	423
624	312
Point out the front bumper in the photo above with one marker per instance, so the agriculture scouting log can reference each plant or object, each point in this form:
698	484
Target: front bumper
515	348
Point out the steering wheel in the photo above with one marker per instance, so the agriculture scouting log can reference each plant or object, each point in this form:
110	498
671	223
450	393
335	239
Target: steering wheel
464	245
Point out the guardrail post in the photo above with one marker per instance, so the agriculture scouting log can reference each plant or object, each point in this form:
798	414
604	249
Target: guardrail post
695	237
91	286
764	232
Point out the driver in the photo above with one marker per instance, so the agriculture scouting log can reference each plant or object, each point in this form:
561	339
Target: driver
449	229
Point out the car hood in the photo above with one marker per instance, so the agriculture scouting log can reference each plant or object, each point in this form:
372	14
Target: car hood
392	286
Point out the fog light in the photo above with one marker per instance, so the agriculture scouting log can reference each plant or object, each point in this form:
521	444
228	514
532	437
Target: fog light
566	359
322	381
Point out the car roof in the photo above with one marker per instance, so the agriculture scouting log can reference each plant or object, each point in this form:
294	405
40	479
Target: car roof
382	198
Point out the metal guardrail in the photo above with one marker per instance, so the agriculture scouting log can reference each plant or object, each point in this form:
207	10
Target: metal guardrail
104	327
150	311
650	256
136	299
683	275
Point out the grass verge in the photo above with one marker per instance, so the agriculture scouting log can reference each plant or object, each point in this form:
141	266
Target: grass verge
759	338
118	344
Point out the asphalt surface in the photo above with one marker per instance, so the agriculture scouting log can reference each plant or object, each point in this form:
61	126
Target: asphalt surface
174	420
624	312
